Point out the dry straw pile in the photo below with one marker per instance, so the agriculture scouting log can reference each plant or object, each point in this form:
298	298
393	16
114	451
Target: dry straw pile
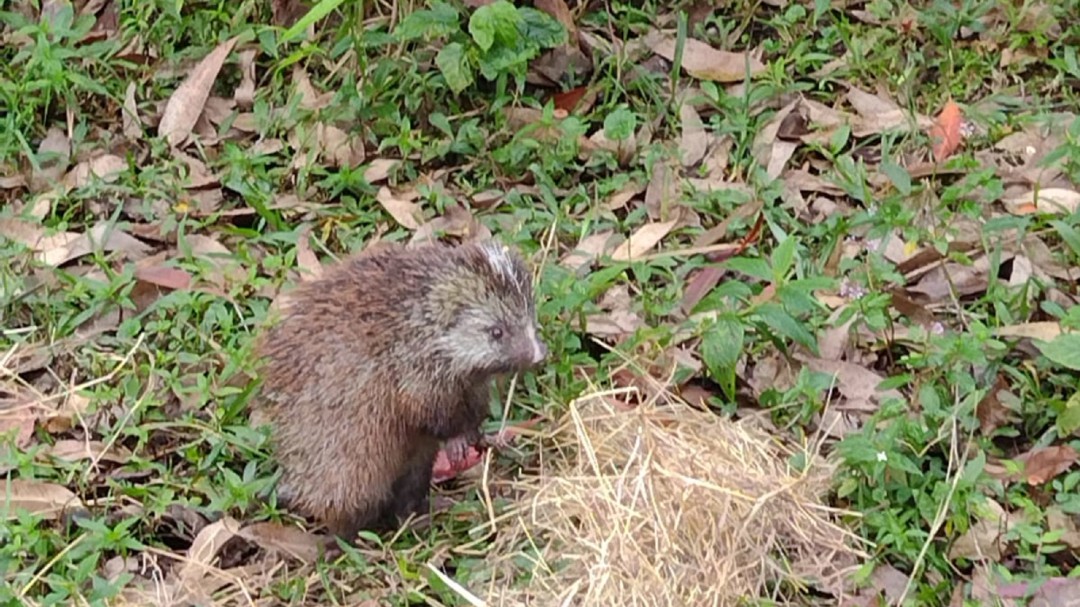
666	504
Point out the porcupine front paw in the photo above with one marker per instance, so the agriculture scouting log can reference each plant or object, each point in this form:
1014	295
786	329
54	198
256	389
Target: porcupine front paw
457	448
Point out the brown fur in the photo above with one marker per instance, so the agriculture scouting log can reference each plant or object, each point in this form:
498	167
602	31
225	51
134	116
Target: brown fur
378	360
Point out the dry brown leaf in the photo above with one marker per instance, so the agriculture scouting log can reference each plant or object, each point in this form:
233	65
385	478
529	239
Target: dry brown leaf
703	61
767	149
129	115
309	98
163	276
858	384
992	413
938	284
57	249
76	450
244	95
623	149
73	408
198	175
456	222
18	424
309	265
1044	463
292	541
561	13
619	199
380	169
618	321
106	167
224	269
662	193
983	540
48	500
1057	201
404	211
53	155
643	239
589	250
878	115
699	285
693	141
187	102
202	554
945	135
1046	330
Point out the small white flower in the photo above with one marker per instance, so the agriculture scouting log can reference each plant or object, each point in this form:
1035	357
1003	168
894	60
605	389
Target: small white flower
881	457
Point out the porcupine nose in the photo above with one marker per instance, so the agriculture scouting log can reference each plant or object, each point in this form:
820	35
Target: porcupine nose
539	348
539	351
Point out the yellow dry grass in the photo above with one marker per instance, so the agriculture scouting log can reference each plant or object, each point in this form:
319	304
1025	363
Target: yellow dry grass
666	504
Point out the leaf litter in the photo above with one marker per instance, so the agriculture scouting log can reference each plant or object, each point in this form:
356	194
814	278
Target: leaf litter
937	282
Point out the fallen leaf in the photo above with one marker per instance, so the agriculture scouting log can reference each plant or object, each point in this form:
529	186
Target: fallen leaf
1057	201
106	167
244	95
983	540
643	239
619	199
703	61
561	13
1056	592
991	412
39	498
380	169
456	221
187	102
129	115
662	193
945	134
293	541
53	155
700	283
878	115
858	384
18	424
1043	329
693	141
1044	463
76	450
202	554
589	250
305	257
405	212
224	267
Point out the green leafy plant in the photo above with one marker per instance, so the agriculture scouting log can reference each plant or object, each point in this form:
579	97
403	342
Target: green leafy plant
500	40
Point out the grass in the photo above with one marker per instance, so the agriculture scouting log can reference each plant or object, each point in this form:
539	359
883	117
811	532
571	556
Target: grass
145	361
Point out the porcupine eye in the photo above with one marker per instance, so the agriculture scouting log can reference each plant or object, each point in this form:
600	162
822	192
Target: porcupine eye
496	332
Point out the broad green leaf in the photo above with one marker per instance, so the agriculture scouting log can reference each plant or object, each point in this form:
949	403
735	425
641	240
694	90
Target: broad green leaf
1068	234
722	343
1063	350
496	21
751	266
785	325
454	65
620	124
440	20
897	174
721	346
783	257
541	29
1068	421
